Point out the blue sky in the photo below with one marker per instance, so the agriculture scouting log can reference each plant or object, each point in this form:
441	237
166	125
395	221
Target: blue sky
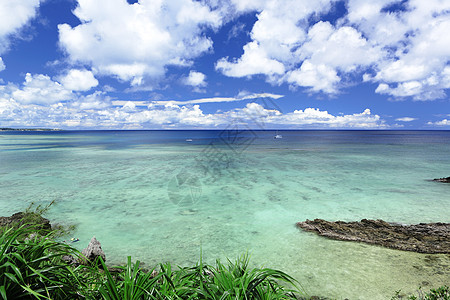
184	64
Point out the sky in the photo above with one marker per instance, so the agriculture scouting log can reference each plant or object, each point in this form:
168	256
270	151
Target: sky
212	64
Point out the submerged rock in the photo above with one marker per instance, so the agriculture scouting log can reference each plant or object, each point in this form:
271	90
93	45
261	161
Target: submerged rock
188	212
423	237
94	250
444	179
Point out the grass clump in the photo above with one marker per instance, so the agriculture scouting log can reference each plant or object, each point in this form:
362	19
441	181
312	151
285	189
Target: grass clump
234	280
33	268
441	293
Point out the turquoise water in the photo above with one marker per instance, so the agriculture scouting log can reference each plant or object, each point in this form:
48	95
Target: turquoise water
158	197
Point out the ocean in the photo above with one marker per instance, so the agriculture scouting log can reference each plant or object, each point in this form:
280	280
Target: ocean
175	195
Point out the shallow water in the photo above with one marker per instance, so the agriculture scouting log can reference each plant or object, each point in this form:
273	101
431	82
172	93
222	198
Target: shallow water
157	197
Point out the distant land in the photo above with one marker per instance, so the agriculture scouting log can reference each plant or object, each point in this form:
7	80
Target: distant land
29	129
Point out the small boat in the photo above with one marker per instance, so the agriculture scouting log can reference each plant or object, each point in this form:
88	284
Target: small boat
188	140
278	136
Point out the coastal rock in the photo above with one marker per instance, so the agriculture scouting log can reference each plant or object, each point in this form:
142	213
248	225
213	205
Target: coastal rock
71	260
94	250
21	218
423	237
444	179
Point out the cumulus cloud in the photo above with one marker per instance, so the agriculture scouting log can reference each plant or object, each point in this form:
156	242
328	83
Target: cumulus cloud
40	89
254	61
13	16
285	49
79	80
315	118
331	51
96	110
197	80
400	45
444	122
134	41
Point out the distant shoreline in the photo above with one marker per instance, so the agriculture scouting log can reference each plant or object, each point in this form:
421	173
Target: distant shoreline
30	129
232	129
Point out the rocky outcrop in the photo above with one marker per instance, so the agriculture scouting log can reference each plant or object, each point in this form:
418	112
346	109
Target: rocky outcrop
21	218
94	250
444	180
423	237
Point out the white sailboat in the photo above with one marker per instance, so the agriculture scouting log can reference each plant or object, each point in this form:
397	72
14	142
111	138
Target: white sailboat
278	136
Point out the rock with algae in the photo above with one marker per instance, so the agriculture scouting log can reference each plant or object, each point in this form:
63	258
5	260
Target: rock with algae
423	237
30	219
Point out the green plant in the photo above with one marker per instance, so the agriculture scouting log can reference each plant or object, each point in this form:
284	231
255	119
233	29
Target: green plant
441	293
234	280
34	215
237	281
33	267
39	210
132	284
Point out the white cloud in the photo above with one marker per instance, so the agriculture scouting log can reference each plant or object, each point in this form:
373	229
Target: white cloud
79	80
279	30
322	119
196	80
318	77
240	97
40	89
98	111
254	61
406	52
406	119
417	63
307	118
444	122
13	16
286	50
134	41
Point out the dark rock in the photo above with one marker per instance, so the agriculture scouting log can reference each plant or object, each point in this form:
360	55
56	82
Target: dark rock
20	218
444	180
71	260
94	250
423	237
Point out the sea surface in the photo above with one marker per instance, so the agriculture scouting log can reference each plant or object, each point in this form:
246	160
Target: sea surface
172	195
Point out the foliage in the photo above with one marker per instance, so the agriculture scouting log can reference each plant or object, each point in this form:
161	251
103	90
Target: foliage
33	267
441	293
36	211
232	281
